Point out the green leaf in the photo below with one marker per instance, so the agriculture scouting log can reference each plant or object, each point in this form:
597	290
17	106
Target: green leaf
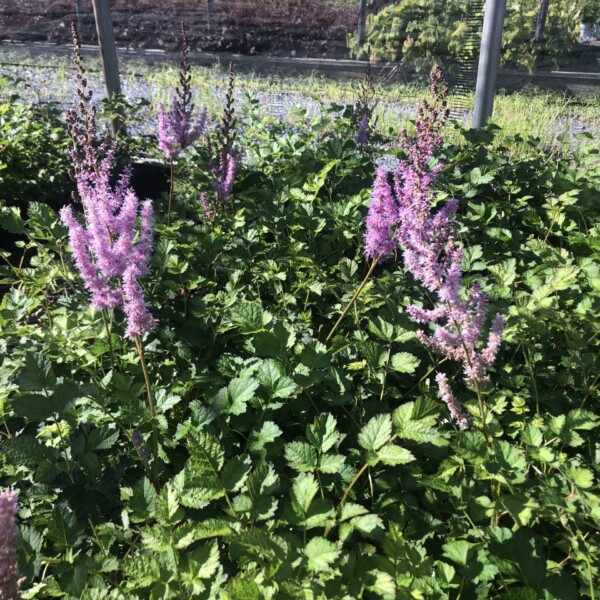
236	472
268	433
34	407
25	450
304	490
241	390
382	329
459	551
350	510
391	454
301	456
206	454
581	477
142	501
376	433
37	374
322	434
165	401
193	531
243	587
403	362
381	583
512	461
321	553
167	506
270	375
204	561
250	318
331	463
419	430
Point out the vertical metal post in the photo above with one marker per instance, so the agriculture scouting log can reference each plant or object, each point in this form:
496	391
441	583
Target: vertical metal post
362	17
489	59
108	50
210	14
79	13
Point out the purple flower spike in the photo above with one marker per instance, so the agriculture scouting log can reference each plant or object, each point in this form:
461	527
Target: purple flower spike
176	130
111	251
450	401
402	215
225	174
138	442
10	579
382	219
362	132
176	127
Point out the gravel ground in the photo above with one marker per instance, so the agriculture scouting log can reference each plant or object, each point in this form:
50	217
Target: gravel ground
57	85
44	84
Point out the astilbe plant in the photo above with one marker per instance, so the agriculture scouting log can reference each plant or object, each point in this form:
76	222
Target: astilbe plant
363	108
110	254
178	128
400	215
223	157
10	579
110	250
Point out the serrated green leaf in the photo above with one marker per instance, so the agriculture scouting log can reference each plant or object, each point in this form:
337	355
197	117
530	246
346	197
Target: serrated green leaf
350	510
206	454
251	318
240	391
235	473
243	587
25	450
167	506
331	463
304	489
322	434
165	401
581	477
143	501
37	375
301	456
404	362
268	433
376	433
34	407
391	454
459	551
204	561
193	531
381	583
321	553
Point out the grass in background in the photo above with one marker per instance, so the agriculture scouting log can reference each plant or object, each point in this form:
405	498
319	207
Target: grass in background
546	115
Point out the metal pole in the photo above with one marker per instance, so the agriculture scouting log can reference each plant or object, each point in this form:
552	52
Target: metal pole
489	58
108	50
79	12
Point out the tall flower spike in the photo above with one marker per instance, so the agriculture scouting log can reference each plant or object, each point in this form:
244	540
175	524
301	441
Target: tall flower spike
109	245
10	579
177	128
402	214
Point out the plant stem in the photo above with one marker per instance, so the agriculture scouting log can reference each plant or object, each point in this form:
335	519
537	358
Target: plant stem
533	381
354	297
172	183
109	336
356	478
62	441
140	351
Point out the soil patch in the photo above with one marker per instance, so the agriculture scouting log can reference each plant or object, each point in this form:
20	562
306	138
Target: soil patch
302	28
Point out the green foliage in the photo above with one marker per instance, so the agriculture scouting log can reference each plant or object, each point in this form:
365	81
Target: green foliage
421	32
294	468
